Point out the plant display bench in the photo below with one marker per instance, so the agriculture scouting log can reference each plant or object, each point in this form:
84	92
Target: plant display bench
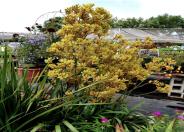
177	86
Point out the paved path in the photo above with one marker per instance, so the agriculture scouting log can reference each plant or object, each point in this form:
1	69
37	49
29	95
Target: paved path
148	106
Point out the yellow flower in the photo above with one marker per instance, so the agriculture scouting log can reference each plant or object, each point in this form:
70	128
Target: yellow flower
84	60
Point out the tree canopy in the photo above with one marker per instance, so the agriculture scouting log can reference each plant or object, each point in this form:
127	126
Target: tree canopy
161	21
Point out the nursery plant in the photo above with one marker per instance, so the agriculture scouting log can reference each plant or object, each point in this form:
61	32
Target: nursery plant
84	55
176	53
32	50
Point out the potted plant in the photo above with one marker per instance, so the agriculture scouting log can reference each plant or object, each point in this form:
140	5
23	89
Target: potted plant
31	54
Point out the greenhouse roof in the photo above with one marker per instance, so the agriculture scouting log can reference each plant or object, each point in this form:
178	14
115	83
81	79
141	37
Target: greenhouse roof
9	35
158	35
175	36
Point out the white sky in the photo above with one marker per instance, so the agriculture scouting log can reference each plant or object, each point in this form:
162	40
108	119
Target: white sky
15	15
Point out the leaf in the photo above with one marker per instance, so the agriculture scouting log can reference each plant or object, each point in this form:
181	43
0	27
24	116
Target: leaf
57	128
126	128
170	126
89	86
70	126
37	127
137	106
118	120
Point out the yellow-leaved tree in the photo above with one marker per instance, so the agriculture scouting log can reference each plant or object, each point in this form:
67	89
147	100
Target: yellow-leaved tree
86	56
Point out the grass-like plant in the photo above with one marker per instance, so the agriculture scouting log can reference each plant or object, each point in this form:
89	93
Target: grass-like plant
19	100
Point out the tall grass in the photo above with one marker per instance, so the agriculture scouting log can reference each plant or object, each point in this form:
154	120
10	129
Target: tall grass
24	106
19	101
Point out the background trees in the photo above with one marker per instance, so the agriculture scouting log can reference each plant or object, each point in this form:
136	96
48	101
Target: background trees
161	21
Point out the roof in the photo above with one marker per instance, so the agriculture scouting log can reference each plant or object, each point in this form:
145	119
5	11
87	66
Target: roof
9	35
158	35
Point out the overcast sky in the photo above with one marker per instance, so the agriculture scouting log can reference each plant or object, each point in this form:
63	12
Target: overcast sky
15	15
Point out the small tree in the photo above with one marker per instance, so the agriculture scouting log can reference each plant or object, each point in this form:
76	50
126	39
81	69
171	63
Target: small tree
85	56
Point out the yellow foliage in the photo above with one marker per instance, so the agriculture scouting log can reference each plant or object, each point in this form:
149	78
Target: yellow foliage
84	60
157	63
162	87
